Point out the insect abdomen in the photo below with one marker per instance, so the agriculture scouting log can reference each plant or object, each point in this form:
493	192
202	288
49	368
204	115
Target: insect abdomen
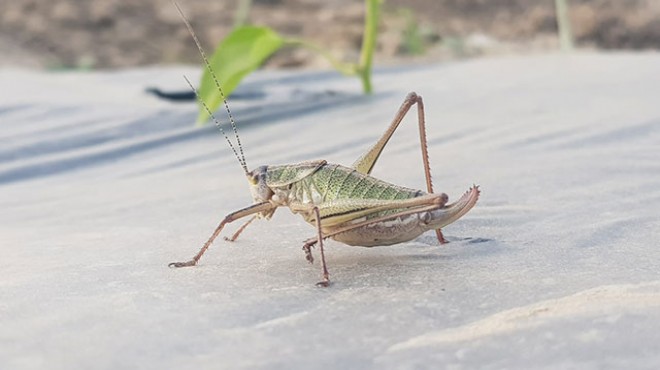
334	181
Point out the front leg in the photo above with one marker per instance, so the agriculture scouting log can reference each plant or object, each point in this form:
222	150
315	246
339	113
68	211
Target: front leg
255	208
313	213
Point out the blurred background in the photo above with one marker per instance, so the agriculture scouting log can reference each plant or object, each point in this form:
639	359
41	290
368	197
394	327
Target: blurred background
101	34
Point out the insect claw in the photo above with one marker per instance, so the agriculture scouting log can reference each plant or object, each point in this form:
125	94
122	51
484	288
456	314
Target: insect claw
182	264
323	284
441	238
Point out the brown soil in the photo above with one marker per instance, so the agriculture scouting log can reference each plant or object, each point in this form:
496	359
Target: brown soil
113	33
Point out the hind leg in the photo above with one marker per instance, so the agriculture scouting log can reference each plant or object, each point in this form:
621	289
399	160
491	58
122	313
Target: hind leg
366	162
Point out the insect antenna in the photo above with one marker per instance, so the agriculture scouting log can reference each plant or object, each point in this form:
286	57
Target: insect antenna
217	124
241	159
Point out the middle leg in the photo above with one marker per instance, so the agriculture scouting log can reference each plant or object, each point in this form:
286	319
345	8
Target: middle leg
325	275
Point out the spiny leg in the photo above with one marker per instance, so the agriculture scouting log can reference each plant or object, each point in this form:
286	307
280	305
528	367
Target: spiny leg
454	212
430	205
425	156
255	208
325	275
369	206
240	230
334	214
342	211
366	163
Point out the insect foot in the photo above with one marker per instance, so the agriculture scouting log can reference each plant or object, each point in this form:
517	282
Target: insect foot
323	284
182	264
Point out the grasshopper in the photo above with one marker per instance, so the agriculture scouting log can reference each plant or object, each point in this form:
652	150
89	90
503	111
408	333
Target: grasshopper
346	204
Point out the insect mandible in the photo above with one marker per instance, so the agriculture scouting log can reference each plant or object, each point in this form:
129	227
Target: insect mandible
343	203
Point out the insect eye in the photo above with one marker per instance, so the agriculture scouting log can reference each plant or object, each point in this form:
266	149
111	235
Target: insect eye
254	179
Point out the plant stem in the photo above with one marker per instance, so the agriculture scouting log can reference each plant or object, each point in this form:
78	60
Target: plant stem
369	43
242	12
564	25
344	68
364	66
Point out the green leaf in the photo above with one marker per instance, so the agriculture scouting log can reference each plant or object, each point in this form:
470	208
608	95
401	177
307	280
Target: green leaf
239	54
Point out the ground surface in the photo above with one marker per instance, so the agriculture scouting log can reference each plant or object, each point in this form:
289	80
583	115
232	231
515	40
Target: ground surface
557	266
103	34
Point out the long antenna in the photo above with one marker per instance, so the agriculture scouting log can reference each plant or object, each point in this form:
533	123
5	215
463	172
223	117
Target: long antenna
217	124
241	159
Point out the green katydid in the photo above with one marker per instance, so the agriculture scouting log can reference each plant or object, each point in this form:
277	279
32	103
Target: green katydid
343	203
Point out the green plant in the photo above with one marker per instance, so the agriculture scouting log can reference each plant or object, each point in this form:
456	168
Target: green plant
413	41
246	48
564	25
242	12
